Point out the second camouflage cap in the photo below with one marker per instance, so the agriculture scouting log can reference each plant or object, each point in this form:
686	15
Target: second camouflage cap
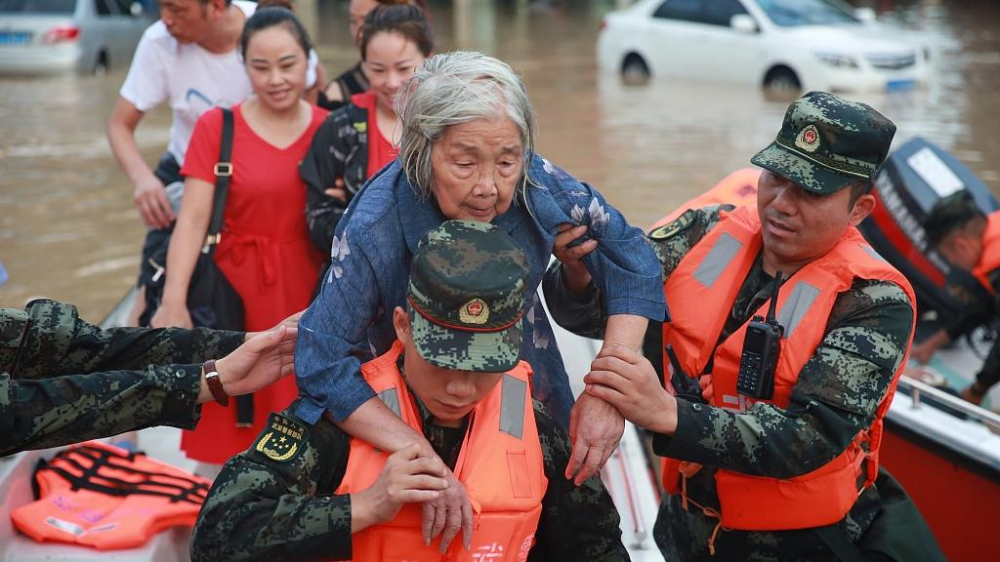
826	142
466	293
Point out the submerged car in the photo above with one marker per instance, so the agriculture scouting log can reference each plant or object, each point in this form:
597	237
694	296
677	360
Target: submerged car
782	44
48	36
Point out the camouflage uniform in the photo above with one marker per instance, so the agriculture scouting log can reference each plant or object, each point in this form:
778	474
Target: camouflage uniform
465	307
835	397
64	380
948	215
262	509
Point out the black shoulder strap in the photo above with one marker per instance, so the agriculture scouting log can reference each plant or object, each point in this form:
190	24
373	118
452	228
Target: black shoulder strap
837	541
223	171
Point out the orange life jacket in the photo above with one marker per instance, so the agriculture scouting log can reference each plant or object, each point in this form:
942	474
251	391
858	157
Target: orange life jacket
738	188
102	496
500	465
700	294
990	259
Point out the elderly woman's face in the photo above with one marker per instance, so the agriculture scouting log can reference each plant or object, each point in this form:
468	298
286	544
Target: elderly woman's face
476	167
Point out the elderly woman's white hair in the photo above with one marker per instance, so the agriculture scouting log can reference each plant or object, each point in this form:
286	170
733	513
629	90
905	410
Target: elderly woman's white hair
454	88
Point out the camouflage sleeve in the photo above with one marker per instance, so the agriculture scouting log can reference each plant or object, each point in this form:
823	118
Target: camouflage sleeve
37	414
65	380
835	397
275	501
585	315
576	523
58	342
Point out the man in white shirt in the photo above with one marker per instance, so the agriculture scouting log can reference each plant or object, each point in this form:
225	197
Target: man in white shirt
190	59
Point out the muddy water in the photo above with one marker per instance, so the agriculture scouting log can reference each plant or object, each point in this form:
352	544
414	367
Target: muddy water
68	229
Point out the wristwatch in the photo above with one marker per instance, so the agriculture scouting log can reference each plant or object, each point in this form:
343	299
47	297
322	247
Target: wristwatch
214	383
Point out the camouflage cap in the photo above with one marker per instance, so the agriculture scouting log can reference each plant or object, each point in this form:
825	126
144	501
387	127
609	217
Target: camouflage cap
466	297
826	142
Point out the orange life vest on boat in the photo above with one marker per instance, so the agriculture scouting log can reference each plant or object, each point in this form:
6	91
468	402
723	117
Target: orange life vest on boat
700	294
738	188
500	465
990	259
104	497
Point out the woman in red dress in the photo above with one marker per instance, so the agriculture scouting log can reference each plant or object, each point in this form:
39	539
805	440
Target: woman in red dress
264	250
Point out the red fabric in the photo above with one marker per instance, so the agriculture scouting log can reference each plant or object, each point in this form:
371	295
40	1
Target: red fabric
380	150
265	253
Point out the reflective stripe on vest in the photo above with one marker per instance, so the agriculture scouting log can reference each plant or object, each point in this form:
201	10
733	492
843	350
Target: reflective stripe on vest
500	464
990	258
699	312
104	497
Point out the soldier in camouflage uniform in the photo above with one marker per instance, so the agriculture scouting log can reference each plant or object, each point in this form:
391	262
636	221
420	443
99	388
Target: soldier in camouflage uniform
63	380
808	198
956	228
462	322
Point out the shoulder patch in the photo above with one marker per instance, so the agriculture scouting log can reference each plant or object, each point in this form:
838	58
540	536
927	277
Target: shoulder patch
674	227
282	439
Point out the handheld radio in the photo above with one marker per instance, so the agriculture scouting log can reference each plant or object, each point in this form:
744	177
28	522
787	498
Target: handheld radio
761	346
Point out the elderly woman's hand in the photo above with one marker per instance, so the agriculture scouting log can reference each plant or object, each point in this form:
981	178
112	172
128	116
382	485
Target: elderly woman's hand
595	428
451	512
575	273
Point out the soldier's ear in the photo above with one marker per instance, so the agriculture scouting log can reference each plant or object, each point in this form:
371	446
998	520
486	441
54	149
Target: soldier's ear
862	208
401	322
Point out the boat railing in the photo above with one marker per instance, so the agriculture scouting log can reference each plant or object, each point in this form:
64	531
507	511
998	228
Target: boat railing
921	392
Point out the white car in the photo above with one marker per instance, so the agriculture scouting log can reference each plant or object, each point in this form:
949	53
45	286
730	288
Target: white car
783	44
45	36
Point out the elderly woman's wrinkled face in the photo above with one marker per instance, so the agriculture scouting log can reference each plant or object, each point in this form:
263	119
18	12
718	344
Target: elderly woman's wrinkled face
476	167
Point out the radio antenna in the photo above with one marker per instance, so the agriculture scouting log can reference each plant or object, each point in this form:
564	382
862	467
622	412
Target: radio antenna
774	298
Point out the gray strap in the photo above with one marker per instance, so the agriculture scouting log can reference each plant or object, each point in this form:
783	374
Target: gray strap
797	306
391	399
514	392
720	256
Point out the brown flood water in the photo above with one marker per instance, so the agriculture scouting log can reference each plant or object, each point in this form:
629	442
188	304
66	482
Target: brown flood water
69	231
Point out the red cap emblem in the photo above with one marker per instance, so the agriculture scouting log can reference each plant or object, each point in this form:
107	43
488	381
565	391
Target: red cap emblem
808	139
474	312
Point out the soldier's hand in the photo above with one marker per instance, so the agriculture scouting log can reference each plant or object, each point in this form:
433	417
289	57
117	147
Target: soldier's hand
290	322
451	513
973	393
628	381
152	203
924	350
259	362
407	477
595	428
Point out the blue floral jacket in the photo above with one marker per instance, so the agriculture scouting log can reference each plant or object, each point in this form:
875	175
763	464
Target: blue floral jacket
351	320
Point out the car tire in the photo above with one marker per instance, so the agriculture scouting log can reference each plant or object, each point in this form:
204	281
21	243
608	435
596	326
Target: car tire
635	70
782	79
102	65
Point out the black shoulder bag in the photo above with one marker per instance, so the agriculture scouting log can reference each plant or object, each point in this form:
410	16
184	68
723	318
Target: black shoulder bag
212	301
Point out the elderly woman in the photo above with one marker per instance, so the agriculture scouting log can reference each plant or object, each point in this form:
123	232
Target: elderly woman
467	153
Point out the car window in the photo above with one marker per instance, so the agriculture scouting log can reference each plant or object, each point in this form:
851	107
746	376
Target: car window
807	12
124	6
104	8
683	10
37	6
720	12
